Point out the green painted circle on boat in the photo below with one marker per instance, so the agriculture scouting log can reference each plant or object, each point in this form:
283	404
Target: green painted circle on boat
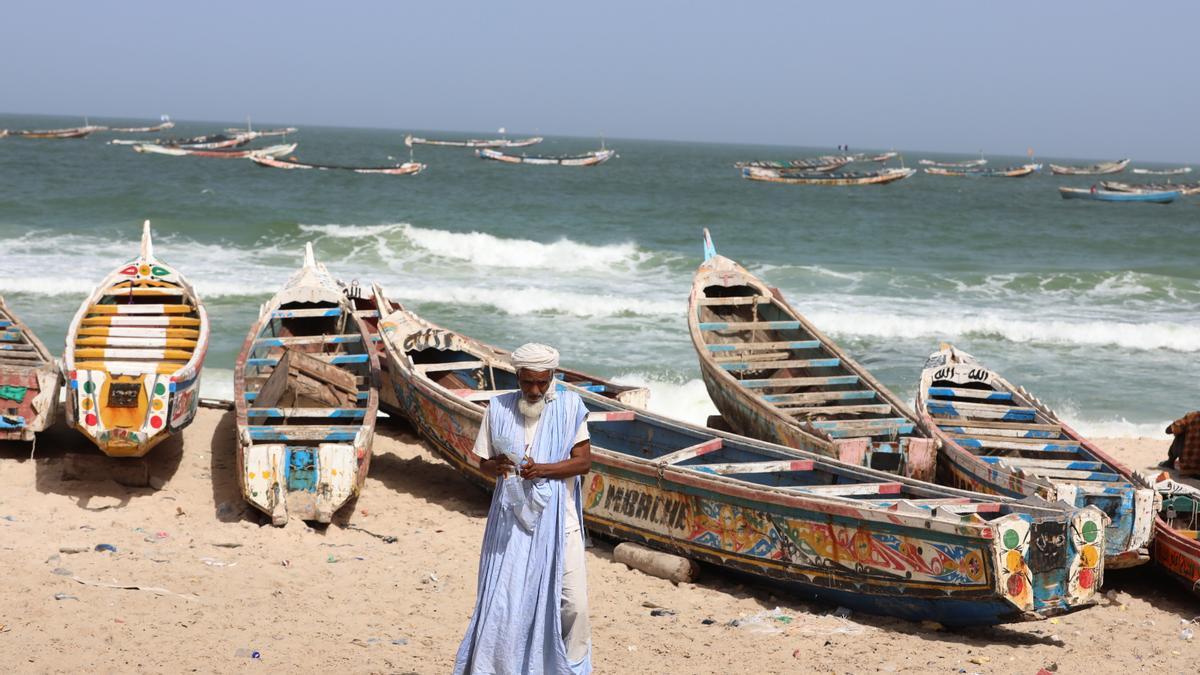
1011	539
88	387
160	389
1090	530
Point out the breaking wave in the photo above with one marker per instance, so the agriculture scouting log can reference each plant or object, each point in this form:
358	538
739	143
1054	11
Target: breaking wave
518	301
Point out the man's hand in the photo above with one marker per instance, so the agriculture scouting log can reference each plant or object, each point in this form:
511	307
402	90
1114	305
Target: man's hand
531	470
497	466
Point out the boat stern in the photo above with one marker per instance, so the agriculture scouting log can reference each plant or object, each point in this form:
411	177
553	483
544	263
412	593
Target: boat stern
125	415
1047	566
305	482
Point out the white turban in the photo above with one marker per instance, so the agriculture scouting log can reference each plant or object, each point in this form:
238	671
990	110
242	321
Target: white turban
534	356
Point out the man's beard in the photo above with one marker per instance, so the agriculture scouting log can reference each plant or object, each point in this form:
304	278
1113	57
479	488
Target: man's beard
531	411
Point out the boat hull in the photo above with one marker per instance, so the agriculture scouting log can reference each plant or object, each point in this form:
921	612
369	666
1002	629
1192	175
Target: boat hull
1116	196
29	380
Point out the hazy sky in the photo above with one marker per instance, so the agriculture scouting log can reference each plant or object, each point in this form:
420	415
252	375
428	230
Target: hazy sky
1086	79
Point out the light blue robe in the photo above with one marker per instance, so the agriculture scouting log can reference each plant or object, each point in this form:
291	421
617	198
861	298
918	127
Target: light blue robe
516	626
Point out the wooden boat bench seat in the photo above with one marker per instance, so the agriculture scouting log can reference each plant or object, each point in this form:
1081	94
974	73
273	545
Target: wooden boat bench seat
426	368
307	412
734	468
303	432
807	397
306	313
780	365
308	340
614	416
1004	413
690	452
849	489
771	383
335	359
982	394
753	346
361	396
736	300
749	325
1033	462
876	408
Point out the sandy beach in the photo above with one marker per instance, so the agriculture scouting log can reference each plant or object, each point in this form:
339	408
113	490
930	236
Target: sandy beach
196	581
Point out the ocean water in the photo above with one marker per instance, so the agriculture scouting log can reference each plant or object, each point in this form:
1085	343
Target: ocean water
1094	307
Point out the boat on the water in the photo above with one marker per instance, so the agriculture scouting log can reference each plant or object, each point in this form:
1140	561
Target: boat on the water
885	156
823	164
881	177
207	142
476	143
1164	172
591	158
166	124
263	133
1184	189
1177	533
73	132
863	539
3	133
998	438
1154	197
977	171
29	380
774	376
134	353
226	153
306	400
1098	169
954	165
405	169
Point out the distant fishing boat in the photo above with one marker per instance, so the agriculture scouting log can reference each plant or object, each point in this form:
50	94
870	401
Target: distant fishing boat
208	142
405	169
1092	170
823	164
880	177
997	438
1164	172
133	358
592	158
864	539
29	380
883	157
166	124
1185	189
411	140
954	165
229	153
73	132
306	400
774	376
263	133
1163	197
1006	172
3	133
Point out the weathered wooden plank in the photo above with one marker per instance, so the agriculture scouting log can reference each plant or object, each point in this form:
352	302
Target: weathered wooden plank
616	416
136	331
973	507
880	408
139	321
1101	476
17	348
771	383
780	365
850	489
455	365
749	325
321	371
367	313
480	394
1011	443
754	467
303	432
735	300
117	341
325	358
1003	413
691	451
752	357
307	412
990	424
1033	463
131	353
818	396
751	346
275	386
306	313
361	396
20	355
140	309
307	340
981	394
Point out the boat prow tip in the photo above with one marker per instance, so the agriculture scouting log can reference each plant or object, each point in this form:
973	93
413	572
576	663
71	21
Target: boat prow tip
710	250
310	260
147	243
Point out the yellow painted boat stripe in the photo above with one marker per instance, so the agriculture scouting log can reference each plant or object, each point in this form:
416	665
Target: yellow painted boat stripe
159	367
154	354
141	309
140	321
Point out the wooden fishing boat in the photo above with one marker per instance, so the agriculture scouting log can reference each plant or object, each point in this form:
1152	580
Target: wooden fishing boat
1164	172
997	438
1006	172
306	400
263	133
133	358
1185	189
1163	197
411	140
774	376
885	156
29	380
823	164
73	132
367	310
1092	170
591	158
3	133
405	169
1177	533
954	165
860	538
228	153
881	177
166	124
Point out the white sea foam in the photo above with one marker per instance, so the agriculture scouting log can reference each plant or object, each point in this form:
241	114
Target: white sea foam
485	250
687	401
353	231
1149	335
217	383
531	300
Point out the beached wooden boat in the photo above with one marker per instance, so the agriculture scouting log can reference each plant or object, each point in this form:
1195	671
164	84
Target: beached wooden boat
306	400
405	169
862	539
997	438
954	165
1185	189
29	380
1164	172
591	158
133	358
476	143
1177	533
822	164
228	153
1092	170
1006	172
881	177
73	132
1155	197
774	376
